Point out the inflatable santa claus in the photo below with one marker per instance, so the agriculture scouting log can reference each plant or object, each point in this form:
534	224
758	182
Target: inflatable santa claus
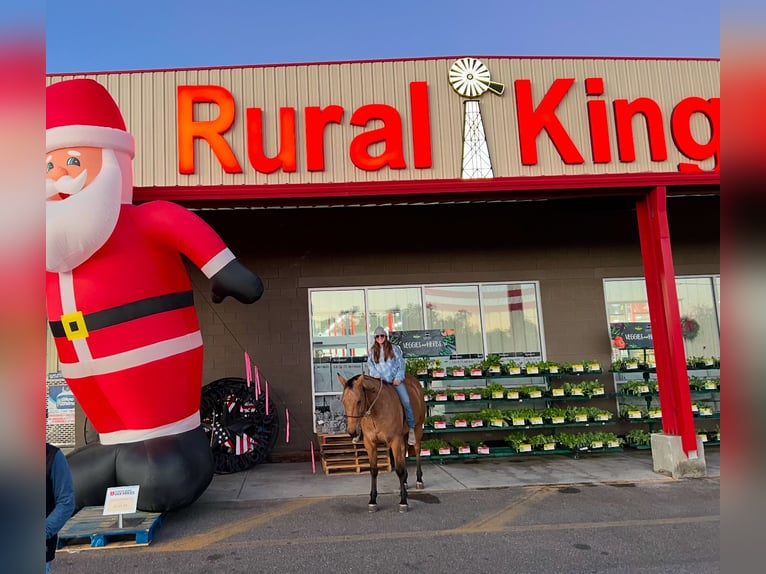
121	309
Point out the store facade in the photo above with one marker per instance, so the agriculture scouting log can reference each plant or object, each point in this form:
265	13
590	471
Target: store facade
496	197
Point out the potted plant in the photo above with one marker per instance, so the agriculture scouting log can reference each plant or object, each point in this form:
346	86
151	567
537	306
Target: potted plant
555	415
553	367
518	441
436	421
511	368
631	412
591	366
437	371
598	415
461	446
638	438
430	446
542	442
416	365
480	448
457	394
494	391
456	371
475	370
492	365
493	417
592	388
532	391
459	421
475	394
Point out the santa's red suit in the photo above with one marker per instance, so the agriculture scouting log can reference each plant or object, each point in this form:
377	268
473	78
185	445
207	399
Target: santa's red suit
121	310
125	326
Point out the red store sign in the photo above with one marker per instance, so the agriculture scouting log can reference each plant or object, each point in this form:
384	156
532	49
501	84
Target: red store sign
534	120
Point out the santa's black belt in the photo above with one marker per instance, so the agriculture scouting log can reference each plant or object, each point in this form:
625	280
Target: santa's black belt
76	325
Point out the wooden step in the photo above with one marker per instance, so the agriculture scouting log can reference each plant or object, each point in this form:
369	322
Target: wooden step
339	455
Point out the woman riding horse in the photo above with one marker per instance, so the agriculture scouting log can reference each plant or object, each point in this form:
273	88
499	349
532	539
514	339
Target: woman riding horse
374	411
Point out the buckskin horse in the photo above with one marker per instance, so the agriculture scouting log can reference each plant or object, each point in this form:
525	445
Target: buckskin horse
373	409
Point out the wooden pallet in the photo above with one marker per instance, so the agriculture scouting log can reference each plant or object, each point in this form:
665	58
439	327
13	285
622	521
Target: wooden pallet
341	456
89	529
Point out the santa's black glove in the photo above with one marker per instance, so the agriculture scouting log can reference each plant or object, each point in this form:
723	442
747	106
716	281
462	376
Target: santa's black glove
238	281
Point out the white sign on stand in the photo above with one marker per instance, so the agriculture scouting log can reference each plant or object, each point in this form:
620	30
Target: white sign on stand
121	500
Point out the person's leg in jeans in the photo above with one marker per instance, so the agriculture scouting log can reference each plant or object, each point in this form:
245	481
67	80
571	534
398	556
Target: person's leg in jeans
404	397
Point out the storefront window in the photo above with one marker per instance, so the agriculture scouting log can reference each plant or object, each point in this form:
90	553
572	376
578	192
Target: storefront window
698	304
457	308
511	319
396	309
486	318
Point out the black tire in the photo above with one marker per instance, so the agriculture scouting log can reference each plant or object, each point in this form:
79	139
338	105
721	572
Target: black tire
229	410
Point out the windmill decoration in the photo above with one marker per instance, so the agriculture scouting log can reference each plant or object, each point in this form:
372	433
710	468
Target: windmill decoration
470	78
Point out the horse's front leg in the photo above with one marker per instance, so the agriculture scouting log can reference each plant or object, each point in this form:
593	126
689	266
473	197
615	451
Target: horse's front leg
372	456
400	458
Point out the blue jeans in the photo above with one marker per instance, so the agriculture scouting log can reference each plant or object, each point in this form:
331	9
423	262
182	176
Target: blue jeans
401	390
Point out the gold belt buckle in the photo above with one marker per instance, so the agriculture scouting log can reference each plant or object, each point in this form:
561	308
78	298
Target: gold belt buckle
74	325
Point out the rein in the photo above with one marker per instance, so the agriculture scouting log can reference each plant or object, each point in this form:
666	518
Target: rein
368	412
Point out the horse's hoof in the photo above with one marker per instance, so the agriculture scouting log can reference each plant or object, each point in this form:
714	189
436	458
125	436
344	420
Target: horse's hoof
419	485
404	507
372	507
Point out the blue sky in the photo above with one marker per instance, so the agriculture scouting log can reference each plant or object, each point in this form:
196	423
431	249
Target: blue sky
99	35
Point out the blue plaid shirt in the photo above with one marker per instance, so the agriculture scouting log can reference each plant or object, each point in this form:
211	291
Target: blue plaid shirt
390	369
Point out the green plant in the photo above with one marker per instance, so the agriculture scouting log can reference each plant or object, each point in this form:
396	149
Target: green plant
516	439
637	388
493	387
594	413
492	360
552	412
590	364
415	365
572	413
435	365
509	364
527	390
429	421
638	437
539	440
489	414
433	444
625	409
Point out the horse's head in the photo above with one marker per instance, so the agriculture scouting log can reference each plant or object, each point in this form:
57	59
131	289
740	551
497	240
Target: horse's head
353	403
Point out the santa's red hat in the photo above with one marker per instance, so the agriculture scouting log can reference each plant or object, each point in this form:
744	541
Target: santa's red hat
81	113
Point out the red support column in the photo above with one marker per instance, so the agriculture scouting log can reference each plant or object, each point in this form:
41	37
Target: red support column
672	376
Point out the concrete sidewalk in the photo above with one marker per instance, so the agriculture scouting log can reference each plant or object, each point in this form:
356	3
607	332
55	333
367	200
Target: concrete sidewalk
295	480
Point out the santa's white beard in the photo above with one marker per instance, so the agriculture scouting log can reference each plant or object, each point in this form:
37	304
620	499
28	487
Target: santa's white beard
77	227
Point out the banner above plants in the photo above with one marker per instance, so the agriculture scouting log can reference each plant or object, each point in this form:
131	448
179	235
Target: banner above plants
426	342
626	336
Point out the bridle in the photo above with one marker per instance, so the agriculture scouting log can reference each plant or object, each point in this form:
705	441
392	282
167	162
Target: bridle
368	412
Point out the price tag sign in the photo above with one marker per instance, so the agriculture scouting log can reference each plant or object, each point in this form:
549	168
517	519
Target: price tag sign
121	500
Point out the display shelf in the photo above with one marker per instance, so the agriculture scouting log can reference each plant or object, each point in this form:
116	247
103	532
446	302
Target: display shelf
503	383
508	452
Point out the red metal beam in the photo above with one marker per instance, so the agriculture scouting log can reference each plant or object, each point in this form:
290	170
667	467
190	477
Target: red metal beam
672	376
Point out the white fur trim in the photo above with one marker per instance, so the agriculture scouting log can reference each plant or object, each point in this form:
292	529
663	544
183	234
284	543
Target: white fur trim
89	136
135	435
217	262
